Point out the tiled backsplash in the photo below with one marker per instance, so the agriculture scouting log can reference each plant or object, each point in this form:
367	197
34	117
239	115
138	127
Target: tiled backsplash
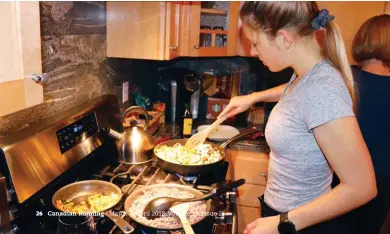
73	36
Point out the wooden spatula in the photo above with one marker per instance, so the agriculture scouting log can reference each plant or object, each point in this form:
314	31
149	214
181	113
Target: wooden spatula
200	137
181	212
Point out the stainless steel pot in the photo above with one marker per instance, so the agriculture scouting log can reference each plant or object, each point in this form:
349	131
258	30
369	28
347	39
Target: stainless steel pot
135	144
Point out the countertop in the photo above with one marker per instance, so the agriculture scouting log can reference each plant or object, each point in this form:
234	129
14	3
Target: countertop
249	143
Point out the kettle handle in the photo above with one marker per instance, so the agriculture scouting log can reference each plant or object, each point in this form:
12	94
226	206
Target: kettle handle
133	108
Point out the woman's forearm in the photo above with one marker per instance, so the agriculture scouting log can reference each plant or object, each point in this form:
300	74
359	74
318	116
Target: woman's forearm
269	95
336	202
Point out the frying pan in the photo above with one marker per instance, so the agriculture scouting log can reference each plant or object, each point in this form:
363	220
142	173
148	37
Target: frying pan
78	191
140	192
194	170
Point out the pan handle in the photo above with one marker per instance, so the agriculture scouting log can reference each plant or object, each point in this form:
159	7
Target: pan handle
220	190
223	145
121	223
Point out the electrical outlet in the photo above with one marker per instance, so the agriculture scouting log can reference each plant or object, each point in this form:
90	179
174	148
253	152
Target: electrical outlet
125	91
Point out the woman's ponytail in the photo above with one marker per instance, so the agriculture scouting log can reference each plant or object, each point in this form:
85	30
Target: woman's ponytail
334	51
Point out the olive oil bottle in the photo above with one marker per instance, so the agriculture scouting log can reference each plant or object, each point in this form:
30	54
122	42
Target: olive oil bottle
187	122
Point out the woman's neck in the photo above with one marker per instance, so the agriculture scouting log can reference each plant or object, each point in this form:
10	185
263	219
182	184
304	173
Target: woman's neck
376	67
306	57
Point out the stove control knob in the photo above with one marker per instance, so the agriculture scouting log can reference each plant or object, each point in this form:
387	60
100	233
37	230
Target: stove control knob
13	212
220	218
15	228
11	195
231	197
228	217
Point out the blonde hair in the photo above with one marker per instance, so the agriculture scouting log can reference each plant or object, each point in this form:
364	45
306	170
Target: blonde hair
270	17
372	41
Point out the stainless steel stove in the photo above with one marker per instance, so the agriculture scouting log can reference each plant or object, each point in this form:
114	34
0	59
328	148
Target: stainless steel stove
37	161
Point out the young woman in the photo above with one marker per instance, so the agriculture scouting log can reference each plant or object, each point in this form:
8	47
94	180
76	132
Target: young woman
312	130
371	49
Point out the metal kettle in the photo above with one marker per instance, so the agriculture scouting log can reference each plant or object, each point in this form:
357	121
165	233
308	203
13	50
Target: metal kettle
135	144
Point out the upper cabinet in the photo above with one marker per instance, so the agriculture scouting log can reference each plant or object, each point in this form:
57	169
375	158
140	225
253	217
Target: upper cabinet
243	45
214	28
166	30
20	56
349	16
143	30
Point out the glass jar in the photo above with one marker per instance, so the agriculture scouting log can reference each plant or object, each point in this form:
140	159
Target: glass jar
219	38
205	38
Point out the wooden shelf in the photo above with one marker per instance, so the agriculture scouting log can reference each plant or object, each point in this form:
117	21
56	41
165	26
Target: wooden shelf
212	11
213	31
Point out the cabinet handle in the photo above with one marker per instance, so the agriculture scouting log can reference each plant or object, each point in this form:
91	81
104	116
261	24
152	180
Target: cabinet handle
264	174
173	47
196	47
39	78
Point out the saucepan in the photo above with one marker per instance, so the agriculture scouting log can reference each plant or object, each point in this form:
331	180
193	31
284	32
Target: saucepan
79	192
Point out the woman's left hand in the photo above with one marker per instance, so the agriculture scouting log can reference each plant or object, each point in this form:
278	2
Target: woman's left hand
268	225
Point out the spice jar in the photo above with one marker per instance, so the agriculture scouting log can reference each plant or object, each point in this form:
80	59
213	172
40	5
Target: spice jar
205	38
219	38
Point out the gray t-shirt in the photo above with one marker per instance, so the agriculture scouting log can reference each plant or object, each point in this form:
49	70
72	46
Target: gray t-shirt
298	170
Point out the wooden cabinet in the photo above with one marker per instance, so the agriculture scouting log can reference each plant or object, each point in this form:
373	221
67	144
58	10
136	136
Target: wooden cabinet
243	45
166	30
253	167
143	30
349	16
20	56
214	31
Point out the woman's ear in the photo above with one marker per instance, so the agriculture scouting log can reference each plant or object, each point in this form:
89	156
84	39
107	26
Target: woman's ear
284	39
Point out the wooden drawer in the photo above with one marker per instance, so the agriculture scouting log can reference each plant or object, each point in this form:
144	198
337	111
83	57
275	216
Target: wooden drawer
252	166
248	195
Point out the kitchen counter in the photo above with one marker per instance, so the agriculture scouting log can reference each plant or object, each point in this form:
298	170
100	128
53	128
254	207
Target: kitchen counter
247	143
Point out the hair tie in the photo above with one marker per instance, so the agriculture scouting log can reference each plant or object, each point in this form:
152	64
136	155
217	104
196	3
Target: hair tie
322	19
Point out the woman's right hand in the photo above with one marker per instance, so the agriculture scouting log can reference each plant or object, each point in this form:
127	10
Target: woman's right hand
237	105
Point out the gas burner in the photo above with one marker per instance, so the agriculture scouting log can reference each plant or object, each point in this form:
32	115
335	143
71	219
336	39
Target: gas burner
188	179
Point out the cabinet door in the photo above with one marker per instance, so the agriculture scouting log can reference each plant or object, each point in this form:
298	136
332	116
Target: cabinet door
349	16
172	30
387	8
136	29
20	56
243	45
213	30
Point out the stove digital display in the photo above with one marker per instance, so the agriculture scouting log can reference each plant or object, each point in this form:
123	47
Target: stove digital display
77	132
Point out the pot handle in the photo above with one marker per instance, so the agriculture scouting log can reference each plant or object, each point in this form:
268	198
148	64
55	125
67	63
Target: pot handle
223	145
133	108
121	223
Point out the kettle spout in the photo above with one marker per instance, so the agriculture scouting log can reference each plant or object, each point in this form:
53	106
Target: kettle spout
114	134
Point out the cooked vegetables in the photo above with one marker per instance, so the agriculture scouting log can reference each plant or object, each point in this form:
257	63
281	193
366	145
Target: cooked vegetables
93	203
203	154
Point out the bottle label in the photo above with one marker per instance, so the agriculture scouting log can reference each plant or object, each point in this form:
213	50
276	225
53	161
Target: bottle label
187	127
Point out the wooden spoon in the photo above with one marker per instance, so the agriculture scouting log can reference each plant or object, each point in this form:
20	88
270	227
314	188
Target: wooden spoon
200	137
181	212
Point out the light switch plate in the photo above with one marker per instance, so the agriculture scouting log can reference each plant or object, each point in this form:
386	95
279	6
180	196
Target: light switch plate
125	91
